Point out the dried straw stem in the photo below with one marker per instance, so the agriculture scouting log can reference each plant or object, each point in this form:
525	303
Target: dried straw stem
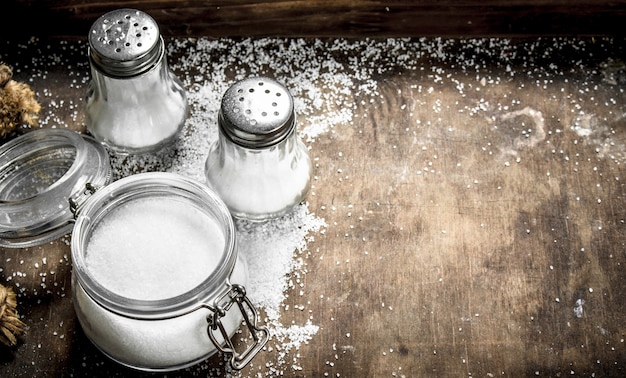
10	324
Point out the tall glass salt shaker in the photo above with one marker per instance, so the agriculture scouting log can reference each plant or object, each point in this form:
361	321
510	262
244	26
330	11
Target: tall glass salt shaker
258	164
135	104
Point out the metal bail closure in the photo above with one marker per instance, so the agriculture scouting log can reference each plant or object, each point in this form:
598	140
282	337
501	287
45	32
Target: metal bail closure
78	199
260	335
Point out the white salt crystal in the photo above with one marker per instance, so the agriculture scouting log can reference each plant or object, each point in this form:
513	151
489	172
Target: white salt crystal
154	248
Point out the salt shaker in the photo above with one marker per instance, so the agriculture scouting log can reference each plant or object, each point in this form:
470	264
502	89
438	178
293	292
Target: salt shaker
135	104
258	164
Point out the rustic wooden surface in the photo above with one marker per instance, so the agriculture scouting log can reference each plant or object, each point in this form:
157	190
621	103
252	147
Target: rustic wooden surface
457	242
338	18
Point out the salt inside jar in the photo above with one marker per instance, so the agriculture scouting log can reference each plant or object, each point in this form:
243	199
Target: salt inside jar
157	281
136	249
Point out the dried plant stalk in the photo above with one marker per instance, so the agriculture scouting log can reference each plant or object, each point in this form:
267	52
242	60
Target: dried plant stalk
17	103
10	323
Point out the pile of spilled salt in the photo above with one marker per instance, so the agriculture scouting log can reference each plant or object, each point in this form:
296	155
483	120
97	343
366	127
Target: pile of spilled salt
154	248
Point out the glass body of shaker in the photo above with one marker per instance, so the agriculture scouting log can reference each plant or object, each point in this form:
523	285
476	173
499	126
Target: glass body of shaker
259	184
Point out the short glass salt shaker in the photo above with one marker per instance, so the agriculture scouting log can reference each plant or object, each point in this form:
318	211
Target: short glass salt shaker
135	104
258	164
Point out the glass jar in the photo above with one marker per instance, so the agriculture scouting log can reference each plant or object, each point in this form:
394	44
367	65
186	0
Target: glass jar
258	164
157	281
39	172
135	104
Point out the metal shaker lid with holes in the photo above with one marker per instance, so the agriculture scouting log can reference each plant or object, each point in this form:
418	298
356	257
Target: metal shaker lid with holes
257	113
125	42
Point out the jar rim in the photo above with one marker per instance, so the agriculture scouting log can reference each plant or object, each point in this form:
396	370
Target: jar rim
58	163
145	185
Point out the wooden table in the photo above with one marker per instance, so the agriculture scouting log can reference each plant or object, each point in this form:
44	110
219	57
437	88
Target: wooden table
473	195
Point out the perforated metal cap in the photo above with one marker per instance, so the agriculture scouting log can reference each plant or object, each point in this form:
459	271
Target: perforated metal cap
125	42
257	113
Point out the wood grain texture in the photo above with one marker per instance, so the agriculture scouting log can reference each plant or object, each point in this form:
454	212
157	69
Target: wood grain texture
322	18
466	216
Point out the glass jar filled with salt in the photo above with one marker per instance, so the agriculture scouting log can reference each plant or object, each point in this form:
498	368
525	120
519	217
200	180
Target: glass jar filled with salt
135	104
258	164
157	281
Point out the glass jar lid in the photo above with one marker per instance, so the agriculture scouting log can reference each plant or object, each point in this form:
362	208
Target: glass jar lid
257	112
40	173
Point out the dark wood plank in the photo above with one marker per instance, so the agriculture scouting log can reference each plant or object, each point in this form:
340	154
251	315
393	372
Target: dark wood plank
321	18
